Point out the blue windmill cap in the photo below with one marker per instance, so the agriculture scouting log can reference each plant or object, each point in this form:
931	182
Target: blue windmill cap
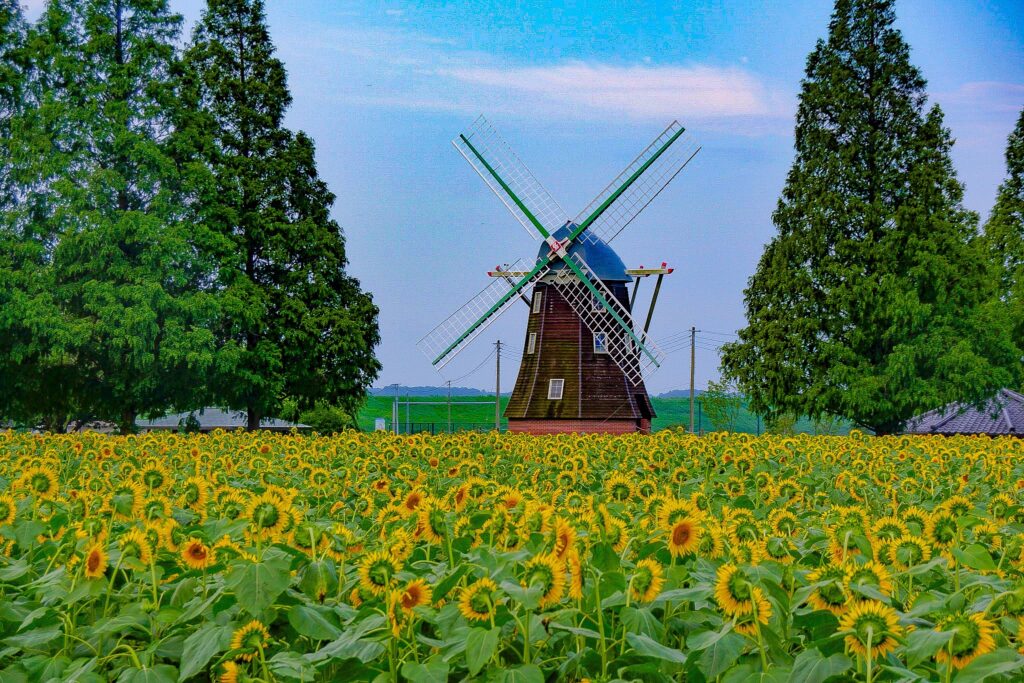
601	258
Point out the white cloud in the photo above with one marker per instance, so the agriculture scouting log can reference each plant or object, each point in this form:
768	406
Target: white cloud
397	68
640	91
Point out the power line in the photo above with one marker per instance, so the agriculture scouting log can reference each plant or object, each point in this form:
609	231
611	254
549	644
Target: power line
458	379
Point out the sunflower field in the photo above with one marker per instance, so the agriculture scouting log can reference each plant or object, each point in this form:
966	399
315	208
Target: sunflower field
730	558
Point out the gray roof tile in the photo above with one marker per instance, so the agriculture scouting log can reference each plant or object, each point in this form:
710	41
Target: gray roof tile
1003	414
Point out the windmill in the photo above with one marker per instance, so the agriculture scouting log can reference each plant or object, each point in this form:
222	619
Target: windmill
584	357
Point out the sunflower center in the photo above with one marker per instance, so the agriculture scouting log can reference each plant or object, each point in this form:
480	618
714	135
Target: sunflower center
93	561
681	533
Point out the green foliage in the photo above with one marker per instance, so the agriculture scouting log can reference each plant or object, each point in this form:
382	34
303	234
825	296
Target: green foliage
108	310
1004	231
722	404
294	323
872	301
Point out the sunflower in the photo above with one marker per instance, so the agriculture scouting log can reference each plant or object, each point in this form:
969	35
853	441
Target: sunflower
941	528
377	572
748	623
154	475
96	561
228	672
734	592
415	593
619	487
831	595
41	481
195	493
647	580
572	561
135	544
910	551
712	543
871	624
8	509
616	533
783	522
684	536
973	636
564	537
249	639
431	523
546	571
890	528
478	600
268	516
869	573
196	554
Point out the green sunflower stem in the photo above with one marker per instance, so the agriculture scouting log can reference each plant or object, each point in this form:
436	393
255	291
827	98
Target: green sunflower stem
868	672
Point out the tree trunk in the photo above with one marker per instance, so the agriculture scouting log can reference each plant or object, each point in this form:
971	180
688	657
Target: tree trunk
127	423
252	419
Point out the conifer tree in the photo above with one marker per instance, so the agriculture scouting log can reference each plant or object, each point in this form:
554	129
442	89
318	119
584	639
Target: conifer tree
870	302
1004	231
294	323
129	327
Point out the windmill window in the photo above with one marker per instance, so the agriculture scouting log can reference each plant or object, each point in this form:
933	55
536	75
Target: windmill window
537	299
595	302
531	345
555	387
599	343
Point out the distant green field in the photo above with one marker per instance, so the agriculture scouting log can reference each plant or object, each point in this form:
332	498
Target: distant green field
672	412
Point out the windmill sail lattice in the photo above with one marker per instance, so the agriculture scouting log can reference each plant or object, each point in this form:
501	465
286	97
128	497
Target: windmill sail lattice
632	351
464	325
666	164
522	194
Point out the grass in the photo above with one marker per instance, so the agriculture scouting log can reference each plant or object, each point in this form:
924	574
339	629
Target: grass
671	412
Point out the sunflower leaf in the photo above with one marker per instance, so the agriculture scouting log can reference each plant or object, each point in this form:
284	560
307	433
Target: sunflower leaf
811	666
923	643
1002	661
257	584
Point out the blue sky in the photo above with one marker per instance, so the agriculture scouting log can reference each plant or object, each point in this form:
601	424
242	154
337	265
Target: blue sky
578	89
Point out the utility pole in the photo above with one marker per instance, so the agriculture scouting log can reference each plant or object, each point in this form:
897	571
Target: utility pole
449	406
693	344
394	411
497	388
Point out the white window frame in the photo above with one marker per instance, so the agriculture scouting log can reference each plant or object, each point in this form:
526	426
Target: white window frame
595	303
604	342
552	385
538	298
531	343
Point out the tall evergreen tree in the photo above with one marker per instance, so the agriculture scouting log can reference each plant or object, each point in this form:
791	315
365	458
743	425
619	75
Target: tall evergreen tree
124	267
12	80
1004	231
869	303
294	324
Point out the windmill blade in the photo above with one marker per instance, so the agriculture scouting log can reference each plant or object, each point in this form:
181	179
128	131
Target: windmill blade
446	340
633	352
637	186
510	179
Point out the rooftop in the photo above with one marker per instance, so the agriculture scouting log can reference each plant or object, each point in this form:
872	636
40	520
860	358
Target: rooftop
216	418
601	258
1003	414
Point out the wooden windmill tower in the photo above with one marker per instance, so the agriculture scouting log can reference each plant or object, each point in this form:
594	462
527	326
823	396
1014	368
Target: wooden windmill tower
584	357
